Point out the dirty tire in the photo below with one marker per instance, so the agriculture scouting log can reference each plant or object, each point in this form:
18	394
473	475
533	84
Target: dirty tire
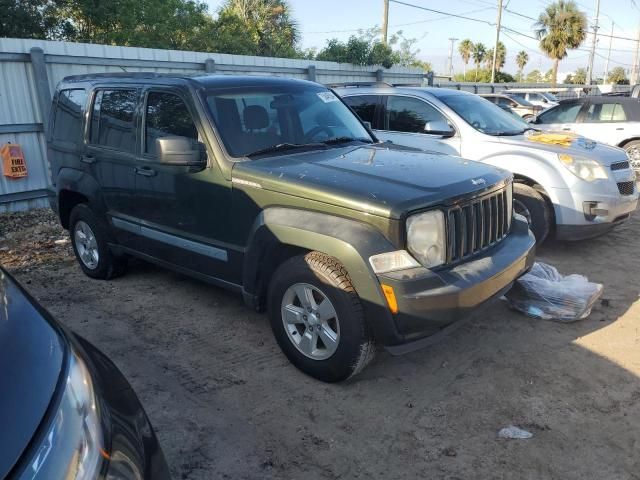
356	346
109	266
538	210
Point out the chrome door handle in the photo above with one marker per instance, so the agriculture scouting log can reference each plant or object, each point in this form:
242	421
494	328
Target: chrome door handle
88	159
145	171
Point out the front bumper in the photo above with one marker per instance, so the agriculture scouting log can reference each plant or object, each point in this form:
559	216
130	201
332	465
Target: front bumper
589	210
429	302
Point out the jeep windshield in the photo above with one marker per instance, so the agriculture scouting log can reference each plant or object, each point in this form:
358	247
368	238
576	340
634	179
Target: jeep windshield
271	120
484	116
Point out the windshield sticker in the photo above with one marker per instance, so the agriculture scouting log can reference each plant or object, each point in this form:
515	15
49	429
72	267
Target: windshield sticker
327	97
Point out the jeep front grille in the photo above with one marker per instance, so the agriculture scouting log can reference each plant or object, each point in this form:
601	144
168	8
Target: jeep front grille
626	188
478	224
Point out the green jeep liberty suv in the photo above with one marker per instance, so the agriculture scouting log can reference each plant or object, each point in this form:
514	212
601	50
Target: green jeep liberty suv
274	188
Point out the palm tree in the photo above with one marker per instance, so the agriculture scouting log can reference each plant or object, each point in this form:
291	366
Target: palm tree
465	48
521	59
500	59
269	21
478	53
559	28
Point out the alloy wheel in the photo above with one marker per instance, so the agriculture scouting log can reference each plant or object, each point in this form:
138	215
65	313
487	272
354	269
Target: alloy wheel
311	321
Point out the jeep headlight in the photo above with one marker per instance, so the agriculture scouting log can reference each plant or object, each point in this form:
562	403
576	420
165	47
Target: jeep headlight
426	238
584	168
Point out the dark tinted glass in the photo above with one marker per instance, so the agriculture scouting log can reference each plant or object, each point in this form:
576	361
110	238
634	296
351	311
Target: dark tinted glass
112	119
405	114
251	119
565	113
68	119
364	106
167	115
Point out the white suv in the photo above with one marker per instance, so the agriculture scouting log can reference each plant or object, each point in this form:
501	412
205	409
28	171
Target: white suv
580	187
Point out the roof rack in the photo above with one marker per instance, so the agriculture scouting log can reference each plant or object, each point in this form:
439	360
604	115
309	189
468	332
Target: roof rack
359	84
140	75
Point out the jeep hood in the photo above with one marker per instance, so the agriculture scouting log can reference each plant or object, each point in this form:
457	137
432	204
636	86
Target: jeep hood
575	145
375	179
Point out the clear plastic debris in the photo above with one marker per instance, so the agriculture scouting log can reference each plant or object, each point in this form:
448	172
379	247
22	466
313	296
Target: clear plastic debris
512	432
544	293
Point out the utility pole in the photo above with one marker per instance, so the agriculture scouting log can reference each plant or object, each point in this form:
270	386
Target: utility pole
495	48
592	54
634	70
450	66
606	65
385	21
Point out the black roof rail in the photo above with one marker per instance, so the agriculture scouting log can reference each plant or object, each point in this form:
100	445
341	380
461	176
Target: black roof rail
359	84
136	75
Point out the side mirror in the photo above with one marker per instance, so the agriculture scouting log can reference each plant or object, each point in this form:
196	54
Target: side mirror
439	127
367	124
533	120
180	151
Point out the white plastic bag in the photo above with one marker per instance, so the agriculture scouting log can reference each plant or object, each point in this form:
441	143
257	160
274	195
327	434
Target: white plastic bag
544	293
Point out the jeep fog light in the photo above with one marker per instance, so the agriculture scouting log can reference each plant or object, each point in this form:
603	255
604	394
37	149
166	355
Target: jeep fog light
426	238
392	261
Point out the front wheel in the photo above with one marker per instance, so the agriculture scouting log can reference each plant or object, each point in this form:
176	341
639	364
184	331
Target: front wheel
317	318
89	238
529	203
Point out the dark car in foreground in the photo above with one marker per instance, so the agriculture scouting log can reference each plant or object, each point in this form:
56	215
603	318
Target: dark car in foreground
273	188
66	412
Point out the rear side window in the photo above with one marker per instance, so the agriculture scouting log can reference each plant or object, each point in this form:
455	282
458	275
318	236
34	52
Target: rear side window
406	114
364	106
505	102
112	119
605	112
166	115
68	119
567	113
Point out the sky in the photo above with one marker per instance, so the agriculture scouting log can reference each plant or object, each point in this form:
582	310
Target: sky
322	20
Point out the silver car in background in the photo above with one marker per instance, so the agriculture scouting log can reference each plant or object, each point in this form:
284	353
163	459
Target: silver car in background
612	120
578	187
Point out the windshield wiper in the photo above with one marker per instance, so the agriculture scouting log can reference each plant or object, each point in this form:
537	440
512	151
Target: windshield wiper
282	147
335	140
511	133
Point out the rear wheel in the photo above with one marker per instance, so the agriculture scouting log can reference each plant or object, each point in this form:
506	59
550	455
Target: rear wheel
530	203
89	238
317	318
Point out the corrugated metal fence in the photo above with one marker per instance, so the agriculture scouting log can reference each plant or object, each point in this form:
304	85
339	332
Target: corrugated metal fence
30	70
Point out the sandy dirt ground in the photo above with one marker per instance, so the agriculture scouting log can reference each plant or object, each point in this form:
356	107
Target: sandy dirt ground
227	404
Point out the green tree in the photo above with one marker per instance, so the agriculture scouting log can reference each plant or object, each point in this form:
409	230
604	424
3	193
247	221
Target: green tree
578	77
548	76
617	76
478	53
31	19
559	28
521	59
465	49
256	27
500	59
534	76
367	49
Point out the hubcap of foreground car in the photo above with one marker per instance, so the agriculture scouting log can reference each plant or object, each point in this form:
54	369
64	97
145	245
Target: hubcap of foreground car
521	209
311	321
86	245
